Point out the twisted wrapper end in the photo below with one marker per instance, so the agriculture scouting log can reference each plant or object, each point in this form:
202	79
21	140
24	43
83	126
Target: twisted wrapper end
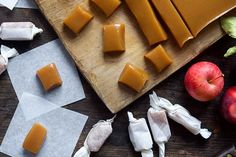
147	153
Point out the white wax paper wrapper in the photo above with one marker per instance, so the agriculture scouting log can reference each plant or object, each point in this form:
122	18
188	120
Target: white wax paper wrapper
159	125
18	31
20	4
10	4
96	138
140	136
181	116
26	4
22	71
63	130
40	106
5	54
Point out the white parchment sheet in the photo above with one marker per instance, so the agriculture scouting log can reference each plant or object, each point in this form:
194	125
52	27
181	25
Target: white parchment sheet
22	71
63	129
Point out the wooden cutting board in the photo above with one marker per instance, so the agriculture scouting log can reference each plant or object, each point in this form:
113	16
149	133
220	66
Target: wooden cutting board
102	71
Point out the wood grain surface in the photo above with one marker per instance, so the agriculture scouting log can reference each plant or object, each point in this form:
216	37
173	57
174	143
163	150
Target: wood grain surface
181	144
103	71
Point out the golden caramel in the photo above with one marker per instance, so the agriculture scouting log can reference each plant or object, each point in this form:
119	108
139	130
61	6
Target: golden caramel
133	77
114	38
159	58
107	6
199	13
173	20
77	19
49	77
147	20
35	138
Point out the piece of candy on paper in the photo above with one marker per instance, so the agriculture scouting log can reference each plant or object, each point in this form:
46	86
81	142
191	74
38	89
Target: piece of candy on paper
22	71
77	19
35	138
63	126
49	76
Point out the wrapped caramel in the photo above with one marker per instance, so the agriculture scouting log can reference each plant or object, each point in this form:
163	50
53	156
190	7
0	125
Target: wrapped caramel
181	116
18	31
159	125
5	54
140	136
96	138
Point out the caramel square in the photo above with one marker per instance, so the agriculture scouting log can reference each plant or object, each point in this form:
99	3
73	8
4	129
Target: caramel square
159	58
133	77
35	138
77	19
114	38
49	77
107	6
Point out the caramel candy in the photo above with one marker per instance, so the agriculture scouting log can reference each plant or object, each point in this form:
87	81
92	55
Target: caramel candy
147	20
114	38
173	20
35	138
199	13
107	6
159	58
133	77
49	77
77	19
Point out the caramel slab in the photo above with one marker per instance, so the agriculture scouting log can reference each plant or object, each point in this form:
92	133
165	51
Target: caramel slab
199	13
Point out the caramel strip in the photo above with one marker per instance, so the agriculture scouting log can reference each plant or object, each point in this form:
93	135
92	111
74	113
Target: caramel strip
173	20
147	20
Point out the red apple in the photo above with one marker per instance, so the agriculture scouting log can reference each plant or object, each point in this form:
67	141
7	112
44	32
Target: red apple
228	106
204	81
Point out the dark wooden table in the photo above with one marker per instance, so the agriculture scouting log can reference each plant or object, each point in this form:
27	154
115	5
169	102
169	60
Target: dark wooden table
182	142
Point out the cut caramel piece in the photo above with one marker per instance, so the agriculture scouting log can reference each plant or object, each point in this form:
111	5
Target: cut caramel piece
147	20
49	77
159	58
173	20
133	77
35	138
199	13
107	6
114	38
77	19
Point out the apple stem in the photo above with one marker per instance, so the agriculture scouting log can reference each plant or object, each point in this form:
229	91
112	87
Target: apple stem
222	75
